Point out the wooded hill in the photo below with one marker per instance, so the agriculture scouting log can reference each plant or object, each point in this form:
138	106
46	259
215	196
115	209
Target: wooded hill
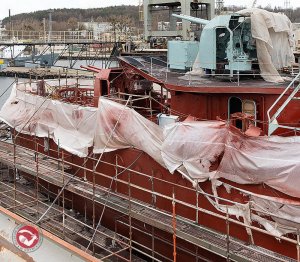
64	19
67	19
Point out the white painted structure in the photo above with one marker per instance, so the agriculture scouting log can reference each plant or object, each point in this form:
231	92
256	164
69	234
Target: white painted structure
96	28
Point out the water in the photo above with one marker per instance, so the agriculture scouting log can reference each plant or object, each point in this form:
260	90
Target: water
5	82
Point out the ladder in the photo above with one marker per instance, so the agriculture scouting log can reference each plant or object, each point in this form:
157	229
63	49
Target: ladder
273	124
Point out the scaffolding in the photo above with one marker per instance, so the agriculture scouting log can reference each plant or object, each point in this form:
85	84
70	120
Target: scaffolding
44	186
27	196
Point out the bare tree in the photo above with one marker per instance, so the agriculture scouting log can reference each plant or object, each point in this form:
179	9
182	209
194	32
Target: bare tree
121	25
113	21
72	23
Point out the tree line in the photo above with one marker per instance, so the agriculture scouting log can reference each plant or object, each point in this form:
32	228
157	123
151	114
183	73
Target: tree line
67	19
118	16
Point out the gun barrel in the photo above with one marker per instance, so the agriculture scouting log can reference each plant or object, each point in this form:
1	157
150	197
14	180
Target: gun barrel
192	19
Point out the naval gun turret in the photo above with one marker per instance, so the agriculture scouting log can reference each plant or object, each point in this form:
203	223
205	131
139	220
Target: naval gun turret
226	44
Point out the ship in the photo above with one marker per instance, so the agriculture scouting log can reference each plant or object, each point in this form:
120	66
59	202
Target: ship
20	56
164	159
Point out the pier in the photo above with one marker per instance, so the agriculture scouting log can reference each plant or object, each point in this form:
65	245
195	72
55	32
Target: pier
68	45
45	73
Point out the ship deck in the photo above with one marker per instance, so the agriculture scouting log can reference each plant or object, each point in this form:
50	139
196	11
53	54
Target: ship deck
51	171
156	69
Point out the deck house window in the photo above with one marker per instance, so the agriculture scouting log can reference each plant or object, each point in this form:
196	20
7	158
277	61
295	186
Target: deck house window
236	105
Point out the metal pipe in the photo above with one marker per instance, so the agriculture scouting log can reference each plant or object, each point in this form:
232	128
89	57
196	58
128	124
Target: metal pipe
174	226
192	19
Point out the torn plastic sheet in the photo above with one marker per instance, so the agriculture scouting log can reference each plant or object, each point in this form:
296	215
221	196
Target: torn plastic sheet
237	209
272	227
285	213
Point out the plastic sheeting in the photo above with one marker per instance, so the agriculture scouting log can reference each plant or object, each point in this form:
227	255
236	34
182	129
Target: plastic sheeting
271	160
111	126
118	127
70	126
274	41
191	147
285	216
285	213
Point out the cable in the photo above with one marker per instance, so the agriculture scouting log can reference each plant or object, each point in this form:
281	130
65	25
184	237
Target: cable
8	88
45	99
109	192
72	177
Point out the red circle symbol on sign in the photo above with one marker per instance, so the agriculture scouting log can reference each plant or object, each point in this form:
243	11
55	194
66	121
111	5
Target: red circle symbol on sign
27	237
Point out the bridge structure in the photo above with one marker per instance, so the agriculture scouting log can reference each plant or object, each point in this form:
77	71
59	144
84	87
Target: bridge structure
69	45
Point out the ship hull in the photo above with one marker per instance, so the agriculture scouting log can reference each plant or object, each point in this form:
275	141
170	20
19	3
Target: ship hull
148	183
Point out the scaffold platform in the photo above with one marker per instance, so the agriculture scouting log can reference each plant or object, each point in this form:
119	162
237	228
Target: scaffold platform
56	173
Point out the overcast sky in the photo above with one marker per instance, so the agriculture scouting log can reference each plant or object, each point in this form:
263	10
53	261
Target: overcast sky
24	6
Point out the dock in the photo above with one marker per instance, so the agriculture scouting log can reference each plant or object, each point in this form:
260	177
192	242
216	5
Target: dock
45	73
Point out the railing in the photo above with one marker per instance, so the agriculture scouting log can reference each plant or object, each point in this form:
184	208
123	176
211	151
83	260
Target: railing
273	124
188	72
22	36
152	179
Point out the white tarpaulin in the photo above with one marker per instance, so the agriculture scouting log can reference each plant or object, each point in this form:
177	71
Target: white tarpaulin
70	125
191	147
111	126
118	126
273	160
274	41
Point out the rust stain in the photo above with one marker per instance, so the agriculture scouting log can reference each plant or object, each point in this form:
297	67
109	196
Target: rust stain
190	119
